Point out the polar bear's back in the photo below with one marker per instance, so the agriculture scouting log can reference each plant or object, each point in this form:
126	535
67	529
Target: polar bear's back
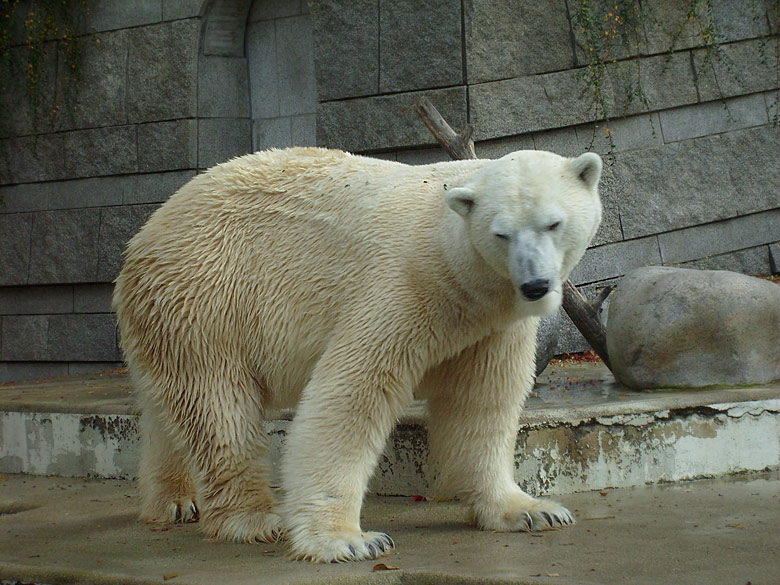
255	260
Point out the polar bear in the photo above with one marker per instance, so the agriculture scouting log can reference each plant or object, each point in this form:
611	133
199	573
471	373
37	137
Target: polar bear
347	285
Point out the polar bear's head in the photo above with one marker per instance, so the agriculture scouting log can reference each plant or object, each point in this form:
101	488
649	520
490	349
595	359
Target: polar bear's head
530	216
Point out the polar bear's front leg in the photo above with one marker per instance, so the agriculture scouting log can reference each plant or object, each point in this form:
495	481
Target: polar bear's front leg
475	402
343	420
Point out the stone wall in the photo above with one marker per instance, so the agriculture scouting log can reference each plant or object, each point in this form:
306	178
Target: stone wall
170	87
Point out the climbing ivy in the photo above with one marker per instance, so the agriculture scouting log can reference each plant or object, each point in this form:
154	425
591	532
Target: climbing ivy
28	31
614	35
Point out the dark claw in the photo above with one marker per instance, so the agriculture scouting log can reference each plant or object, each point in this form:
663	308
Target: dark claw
529	521
195	513
178	513
380	543
388	540
548	518
372	551
353	551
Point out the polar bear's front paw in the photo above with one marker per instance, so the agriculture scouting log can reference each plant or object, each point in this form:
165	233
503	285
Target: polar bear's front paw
522	513
344	547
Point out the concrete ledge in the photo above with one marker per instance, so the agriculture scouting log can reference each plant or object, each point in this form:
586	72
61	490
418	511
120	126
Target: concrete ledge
579	432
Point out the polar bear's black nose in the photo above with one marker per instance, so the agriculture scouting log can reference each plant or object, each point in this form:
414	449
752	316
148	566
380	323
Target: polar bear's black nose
535	289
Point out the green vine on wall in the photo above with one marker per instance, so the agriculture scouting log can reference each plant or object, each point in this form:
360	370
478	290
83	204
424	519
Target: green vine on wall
28	31
615	35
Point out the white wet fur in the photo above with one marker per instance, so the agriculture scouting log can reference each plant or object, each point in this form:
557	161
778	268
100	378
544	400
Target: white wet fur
346	285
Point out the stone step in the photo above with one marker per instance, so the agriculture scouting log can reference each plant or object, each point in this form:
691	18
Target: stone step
580	431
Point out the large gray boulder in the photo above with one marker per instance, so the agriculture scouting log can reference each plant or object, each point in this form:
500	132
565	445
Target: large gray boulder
677	327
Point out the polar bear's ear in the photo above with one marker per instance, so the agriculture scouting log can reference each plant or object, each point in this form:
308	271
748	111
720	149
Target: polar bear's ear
587	167
460	200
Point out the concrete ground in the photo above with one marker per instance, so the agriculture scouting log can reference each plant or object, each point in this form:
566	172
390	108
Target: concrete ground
727	531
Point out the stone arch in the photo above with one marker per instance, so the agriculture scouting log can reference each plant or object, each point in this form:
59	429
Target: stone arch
256	86
282	86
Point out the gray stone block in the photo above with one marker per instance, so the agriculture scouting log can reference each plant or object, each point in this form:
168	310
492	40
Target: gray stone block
713	117
751	261
28	159
117	226
587	37
162	88
547	340
100	151
272	133
385	121
263	70
736	69
156	187
273	9
708	240
410	57
223	87
36	300
25	197
221	139
527	104
666	26
25	337
773	106
225	27
176	9
736	19
295	66
64	246
611	229
665	81
95	95
165	146
83	338
499	147
303	130
512	39
621	134
774	257
15	371
92	298
616	259
77	368
115	14
562	141
346	32
423	156
15	248
24	112
699	181
99	191
96	192
384	155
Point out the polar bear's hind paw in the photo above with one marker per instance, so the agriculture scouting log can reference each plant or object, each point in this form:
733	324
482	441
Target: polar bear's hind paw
184	511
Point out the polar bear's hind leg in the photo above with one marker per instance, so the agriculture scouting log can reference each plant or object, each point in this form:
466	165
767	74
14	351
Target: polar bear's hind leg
167	490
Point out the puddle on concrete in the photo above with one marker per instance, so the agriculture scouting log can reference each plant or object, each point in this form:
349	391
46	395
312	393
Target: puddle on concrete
578	385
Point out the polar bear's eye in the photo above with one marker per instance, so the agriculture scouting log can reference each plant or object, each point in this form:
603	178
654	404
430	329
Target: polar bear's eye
553	226
502	236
